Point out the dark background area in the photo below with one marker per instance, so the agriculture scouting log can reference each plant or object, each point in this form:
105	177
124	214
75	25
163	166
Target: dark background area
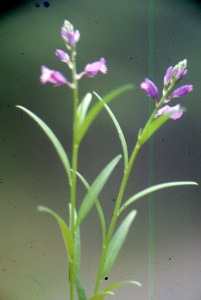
32	256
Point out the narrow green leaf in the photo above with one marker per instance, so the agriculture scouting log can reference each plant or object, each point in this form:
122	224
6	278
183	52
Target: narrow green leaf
120	283
155	125
80	290
119	131
98	206
154	189
101	296
77	254
117	241
83	107
95	189
60	150
67	237
98	107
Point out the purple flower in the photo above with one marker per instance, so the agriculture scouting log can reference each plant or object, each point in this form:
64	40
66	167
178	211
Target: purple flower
64	57
70	36
150	88
182	91
92	69
167	76
177	112
52	76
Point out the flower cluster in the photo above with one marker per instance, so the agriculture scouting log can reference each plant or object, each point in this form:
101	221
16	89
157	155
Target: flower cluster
172	76
70	37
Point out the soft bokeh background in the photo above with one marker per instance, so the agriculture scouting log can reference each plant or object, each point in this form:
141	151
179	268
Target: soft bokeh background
32	256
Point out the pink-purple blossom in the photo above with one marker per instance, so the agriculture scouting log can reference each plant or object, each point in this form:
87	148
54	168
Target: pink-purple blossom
182	91
92	69
150	88
52	76
176	111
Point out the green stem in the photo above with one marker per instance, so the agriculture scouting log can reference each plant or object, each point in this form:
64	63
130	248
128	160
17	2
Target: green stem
74	168
122	189
116	214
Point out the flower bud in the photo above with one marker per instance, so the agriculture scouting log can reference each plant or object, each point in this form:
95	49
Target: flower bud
150	88
69	36
182	91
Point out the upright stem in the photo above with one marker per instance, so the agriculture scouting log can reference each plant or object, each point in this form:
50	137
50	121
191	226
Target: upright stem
74	168
75	148
116	214
121	193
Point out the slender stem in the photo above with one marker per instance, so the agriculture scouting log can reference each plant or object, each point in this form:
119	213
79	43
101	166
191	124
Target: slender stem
75	144
121	192
116	214
74	167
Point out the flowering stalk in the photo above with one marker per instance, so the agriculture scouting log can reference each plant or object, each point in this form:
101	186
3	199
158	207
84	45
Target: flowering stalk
152	91
81	122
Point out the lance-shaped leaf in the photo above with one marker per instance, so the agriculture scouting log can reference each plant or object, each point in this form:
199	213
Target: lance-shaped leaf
149	130
119	131
67	237
60	150
120	283
101	296
98	107
77	246
98	206
117	241
80	290
154	189
83	107
95	189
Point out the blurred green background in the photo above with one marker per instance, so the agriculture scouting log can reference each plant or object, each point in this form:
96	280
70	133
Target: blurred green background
138	39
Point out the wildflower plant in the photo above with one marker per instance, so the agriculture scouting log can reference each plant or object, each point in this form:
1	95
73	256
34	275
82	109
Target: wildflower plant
83	116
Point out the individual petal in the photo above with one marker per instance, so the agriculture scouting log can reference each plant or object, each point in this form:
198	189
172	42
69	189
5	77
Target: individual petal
182	91
167	76
92	69
150	88
52	76
177	112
